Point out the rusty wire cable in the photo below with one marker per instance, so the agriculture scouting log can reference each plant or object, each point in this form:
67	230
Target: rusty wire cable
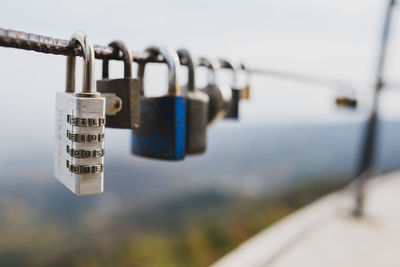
55	46
50	45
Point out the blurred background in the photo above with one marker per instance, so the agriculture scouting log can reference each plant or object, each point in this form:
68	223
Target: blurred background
290	146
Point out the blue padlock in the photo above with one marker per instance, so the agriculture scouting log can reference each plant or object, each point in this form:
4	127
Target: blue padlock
161	134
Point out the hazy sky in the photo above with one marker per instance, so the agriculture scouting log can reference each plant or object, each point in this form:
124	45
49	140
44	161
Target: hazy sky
335	39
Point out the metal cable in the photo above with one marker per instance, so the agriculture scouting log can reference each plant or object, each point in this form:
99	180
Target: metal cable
50	45
304	78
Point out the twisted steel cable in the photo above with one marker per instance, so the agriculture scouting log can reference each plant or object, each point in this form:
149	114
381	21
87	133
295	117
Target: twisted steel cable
50	45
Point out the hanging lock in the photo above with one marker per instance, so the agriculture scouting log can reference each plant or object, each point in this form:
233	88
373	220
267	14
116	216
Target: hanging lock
80	120
196	109
162	131
219	95
346	102
122	95
245	93
233	112
346	99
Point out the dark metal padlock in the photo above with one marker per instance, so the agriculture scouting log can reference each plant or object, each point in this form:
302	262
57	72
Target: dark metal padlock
196	109
233	112
127	89
161	134
220	95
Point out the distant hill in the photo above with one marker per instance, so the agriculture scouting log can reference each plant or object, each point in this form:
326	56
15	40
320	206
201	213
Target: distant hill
238	159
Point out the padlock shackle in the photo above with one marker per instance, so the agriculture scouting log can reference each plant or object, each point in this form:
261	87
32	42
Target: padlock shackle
244	68
186	57
212	65
140	75
80	39
118	46
233	67
172	60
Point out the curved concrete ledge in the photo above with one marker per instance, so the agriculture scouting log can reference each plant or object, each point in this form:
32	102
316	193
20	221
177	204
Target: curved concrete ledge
324	234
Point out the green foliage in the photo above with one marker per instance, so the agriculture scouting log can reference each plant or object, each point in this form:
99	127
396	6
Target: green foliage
191	230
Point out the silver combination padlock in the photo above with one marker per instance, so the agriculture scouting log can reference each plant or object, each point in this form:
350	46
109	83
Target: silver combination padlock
80	121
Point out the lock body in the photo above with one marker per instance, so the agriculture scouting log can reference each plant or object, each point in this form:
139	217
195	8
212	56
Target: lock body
127	89
346	102
220	101
233	112
245	92
79	155
161	134
216	103
196	121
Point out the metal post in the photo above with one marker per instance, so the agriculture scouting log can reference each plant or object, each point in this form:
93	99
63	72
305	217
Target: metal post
366	164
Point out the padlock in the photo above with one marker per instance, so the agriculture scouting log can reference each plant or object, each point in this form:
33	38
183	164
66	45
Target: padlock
346	102
127	113
245	93
80	121
346	99
196	109
220	96
161	134
233	112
